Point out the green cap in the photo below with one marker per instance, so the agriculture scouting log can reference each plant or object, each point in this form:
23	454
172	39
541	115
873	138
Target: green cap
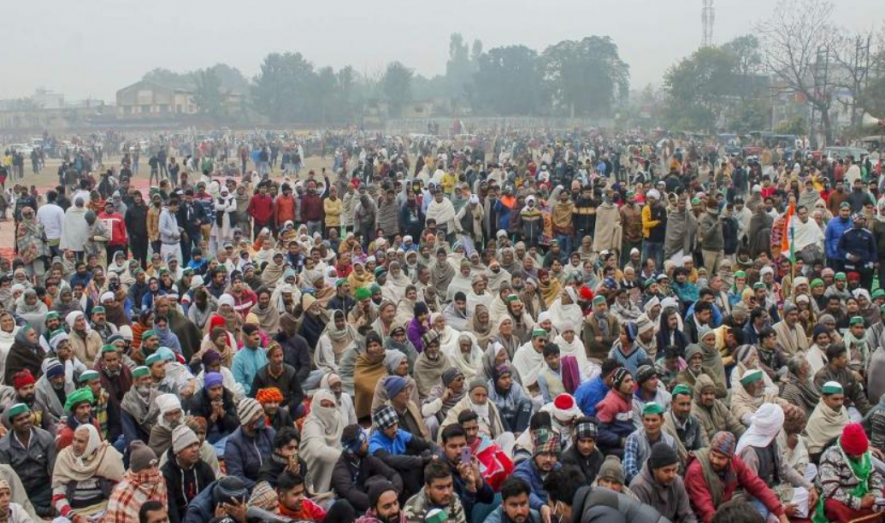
436	515
153	358
740	274
97	309
77	397
599	299
379	271
652	408
759	285
88	375
649	281
855	320
108	348
148	334
52	315
512	298
375	288
138	372
539	333
878	293
832	387
681	390
817	282
751	376
340	281
15	410
845	205
362	293
840	276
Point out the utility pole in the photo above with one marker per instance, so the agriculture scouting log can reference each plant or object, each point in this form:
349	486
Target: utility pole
708	17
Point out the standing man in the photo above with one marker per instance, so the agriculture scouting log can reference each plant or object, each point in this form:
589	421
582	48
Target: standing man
52	218
654	228
261	210
116	226
136	224
170	232
711	237
857	247
631	221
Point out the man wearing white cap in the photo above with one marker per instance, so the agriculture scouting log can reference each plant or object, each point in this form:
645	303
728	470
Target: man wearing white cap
468	220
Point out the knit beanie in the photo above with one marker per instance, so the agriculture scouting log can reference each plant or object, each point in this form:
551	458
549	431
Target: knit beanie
854	440
182	438
247	409
141	456
662	455
376	489
611	470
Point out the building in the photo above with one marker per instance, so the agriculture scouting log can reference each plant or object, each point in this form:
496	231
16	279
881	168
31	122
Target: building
150	100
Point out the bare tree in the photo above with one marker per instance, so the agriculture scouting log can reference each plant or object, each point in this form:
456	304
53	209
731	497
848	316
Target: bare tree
852	55
797	46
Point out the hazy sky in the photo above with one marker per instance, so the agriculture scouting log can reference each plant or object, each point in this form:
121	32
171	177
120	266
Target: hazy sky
95	47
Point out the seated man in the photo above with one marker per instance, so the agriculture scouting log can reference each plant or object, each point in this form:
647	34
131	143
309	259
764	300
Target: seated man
578	503
275	416
383	499
399	449
495	465
514	506
761	454
186	474
294	504
658	484
514	405
356	471
285	457
438	492
139	407
837	370
245	448
590	393
85	473
51	389
171	415
718	463
408	414
711	412
140	484
15	513
31	453
827	421
25	387
284	377
640	442
469	484
107	414
545	459
615	414
850	483
694	359
216	404
583	453
680	423
78	408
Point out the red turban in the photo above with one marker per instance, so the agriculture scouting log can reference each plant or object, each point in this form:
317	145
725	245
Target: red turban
22	379
216	321
854	440
586	293
270	394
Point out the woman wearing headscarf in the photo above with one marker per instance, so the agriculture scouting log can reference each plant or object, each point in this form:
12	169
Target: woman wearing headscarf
566	308
394	288
85	342
119	266
368	369
164	333
338	336
461	282
441	273
332	382
321	439
478	399
30	309
504	334
481	326
398	340
29	238
448	337
549	287
84	474
797	386
8	333
25	354
359	277
65	303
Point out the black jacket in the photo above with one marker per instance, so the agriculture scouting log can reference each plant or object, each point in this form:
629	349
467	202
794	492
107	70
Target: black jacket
351	481
183	485
296	352
136	222
287	382
200	405
589	466
601	505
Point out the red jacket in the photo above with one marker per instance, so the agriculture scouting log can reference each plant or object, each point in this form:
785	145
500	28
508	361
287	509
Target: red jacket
244	302
117	227
311	208
284	210
737	475
261	209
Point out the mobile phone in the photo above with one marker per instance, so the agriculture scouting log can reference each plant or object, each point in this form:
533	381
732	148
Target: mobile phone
465	456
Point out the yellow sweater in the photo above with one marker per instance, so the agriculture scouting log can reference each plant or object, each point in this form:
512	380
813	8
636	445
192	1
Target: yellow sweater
333	211
647	222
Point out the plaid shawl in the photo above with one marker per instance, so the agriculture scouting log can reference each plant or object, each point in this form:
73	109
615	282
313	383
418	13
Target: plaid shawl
132	492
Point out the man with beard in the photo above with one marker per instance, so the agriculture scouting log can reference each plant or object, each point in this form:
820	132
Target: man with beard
107	415
275	417
514	507
294	504
438	493
51	389
469	484
715	473
26	393
31	452
685	428
545	459
837	370
115	377
383	504
694	358
284	458
170	416
139	408
215	403
356	473
78	410
244	449
495	464
185	473
399	449
659	485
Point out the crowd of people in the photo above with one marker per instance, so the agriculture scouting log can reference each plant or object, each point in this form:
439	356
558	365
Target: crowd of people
510	328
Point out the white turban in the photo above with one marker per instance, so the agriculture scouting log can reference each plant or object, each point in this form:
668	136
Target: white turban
765	424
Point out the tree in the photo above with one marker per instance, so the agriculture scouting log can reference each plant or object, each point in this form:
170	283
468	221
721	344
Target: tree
797	125
458	66
509	80
208	95
397	87
797	43
586	76
698	88
281	89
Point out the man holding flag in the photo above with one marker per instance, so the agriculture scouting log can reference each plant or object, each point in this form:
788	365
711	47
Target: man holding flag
858	247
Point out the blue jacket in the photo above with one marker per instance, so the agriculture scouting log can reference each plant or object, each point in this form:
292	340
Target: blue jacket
202	508
246	364
589	394
527	471
835	228
243	456
859	242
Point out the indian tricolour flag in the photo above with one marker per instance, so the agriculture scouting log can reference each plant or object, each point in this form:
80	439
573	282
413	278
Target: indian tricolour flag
789	232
